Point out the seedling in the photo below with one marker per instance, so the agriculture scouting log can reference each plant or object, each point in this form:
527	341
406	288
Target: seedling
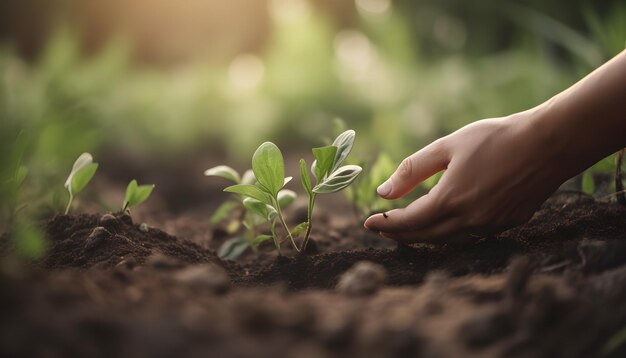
267	196
250	217
83	170
136	194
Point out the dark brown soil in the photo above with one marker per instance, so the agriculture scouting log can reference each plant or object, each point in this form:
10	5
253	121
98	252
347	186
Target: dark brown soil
554	287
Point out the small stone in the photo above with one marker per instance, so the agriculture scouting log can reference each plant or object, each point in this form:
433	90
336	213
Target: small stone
97	236
211	277
107	219
163	262
364	278
144	227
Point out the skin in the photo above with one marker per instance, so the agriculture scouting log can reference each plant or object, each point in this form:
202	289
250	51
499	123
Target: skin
500	170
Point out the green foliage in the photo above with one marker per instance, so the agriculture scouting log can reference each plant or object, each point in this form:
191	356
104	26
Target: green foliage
82	172
136	194
266	198
29	241
269	168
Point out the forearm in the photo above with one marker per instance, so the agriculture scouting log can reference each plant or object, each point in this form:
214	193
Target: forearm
586	122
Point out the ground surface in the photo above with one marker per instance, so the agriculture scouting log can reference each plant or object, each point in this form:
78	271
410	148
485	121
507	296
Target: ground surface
555	287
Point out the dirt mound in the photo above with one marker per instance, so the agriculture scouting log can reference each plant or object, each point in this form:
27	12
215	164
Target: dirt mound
103	241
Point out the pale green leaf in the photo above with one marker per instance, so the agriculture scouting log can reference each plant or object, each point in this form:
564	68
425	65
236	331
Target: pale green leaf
324	160
344	144
256	207
223	211
260	239
269	167
286	197
233	248
224	171
338	180
250	191
83	160
304	177
248	177
82	177
136	194
300	229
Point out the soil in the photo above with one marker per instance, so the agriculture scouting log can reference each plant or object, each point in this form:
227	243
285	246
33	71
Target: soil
110	287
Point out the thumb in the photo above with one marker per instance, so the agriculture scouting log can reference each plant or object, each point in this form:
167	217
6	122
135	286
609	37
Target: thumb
415	169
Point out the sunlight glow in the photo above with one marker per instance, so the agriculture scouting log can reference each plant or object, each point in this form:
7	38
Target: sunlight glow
246	72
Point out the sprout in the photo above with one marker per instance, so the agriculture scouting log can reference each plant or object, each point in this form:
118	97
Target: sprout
136	194
83	170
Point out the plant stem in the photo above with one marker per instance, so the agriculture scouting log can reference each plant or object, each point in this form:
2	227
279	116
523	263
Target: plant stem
284	224
276	242
67	209
310	222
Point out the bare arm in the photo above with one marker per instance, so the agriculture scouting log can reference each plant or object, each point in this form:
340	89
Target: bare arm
500	170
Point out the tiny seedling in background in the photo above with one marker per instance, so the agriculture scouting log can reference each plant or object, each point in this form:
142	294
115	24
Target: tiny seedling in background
83	170
136	194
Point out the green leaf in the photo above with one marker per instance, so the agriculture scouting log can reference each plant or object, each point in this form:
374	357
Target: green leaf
20	175
304	177
82	177
269	167
324	161
257	207
338	180
260	239
344	144
588	185
300	229
286	197
30	242
224	171
250	191
136	194
223	211
233	248
83	160
248	177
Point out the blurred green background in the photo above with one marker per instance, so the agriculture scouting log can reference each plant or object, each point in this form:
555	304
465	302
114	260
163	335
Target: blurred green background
206	81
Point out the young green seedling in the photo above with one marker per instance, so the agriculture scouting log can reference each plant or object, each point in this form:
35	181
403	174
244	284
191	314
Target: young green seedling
253	213
136	194
330	176
266	197
83	170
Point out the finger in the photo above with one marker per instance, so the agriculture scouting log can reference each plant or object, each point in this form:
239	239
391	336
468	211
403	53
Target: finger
414	170
450	231
420	213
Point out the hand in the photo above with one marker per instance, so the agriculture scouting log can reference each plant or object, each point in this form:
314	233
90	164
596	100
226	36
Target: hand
498	172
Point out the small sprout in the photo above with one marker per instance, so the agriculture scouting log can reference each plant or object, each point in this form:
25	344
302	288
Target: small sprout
136	194
264	196
83	170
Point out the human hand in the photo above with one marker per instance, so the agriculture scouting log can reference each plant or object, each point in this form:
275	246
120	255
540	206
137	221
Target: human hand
498	172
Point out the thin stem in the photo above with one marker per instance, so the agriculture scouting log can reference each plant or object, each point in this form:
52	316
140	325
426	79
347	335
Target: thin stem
284	224
67	209
274	237
310	221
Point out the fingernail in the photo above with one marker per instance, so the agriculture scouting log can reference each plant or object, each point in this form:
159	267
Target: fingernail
384	189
